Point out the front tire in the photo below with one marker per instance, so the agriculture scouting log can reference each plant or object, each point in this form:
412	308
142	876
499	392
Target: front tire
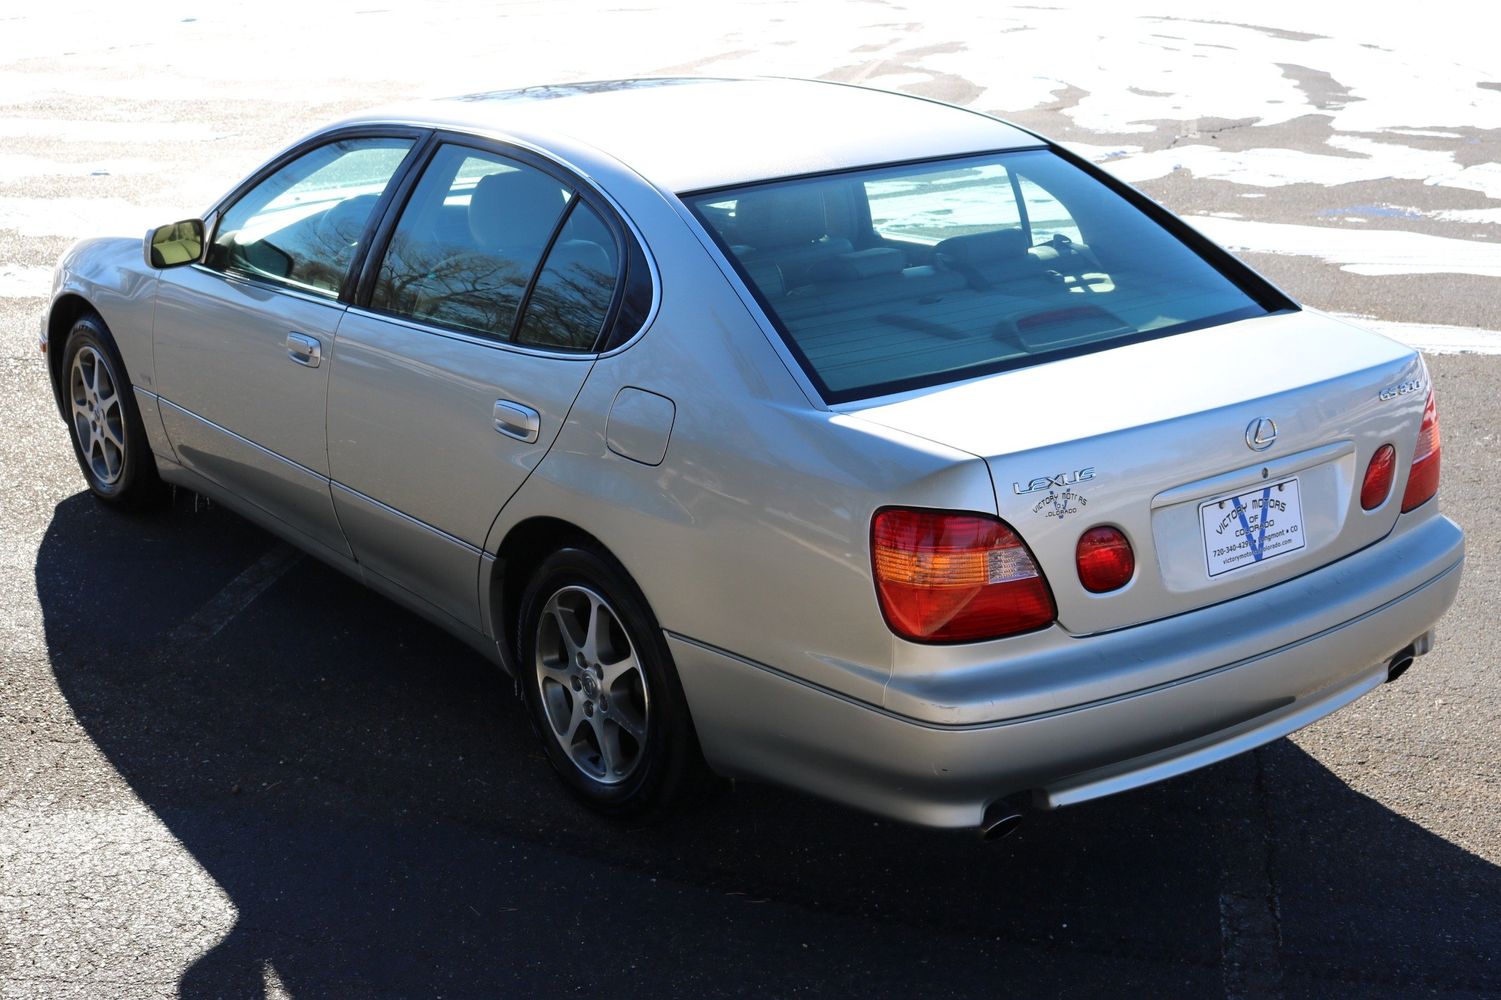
602	691
104	423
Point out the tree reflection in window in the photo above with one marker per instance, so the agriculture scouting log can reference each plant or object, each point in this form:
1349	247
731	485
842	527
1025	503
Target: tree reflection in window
574	290
467	244
302	225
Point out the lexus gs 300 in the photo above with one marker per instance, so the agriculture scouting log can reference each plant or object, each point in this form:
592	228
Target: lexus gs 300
784	430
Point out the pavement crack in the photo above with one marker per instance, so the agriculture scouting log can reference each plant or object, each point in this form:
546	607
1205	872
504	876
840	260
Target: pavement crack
1250	903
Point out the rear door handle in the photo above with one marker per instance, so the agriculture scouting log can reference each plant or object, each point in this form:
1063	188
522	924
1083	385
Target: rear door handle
517	421
304	350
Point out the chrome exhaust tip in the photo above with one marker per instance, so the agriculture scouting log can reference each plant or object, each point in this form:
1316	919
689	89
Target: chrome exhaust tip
1001	820
1398	664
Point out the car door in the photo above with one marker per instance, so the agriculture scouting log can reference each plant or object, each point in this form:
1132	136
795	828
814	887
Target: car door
242	339
452	380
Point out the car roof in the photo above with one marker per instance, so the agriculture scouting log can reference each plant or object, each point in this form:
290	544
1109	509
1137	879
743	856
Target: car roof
695	133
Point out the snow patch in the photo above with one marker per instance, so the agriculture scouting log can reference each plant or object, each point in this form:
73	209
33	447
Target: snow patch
1362	251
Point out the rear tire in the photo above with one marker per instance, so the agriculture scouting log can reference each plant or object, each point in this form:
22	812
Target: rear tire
602	692
104	422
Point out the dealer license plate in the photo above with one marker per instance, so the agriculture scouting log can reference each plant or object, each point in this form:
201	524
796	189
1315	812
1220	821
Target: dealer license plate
1252	527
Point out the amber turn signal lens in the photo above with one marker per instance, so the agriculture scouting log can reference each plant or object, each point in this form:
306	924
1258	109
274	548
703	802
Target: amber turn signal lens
945	577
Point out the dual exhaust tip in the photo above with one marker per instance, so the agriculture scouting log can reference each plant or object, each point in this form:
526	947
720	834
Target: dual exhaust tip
1003	817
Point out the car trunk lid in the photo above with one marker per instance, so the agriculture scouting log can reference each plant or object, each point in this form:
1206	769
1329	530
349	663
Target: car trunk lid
1182	443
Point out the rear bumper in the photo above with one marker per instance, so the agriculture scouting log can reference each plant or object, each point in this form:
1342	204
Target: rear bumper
1239	681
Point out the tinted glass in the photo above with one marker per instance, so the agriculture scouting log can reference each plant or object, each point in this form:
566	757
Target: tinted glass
302	225
900	277
468	242
574	290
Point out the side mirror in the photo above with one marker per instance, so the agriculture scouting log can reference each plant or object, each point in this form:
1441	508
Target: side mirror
176	244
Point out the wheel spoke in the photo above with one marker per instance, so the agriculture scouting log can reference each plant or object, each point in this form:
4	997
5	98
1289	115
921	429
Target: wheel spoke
562	616
89	368
626	719
610	753
622	668
596	631
112	434
97	457
113	457
104	386
576	719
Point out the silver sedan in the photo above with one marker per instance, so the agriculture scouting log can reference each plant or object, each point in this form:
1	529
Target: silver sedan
784	430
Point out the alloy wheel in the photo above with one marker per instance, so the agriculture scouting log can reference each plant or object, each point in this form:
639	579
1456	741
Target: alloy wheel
593	688
98	417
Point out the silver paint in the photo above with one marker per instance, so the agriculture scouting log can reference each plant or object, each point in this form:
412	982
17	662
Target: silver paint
744	513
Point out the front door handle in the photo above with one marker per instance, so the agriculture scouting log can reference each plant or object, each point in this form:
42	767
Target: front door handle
304	350
517	421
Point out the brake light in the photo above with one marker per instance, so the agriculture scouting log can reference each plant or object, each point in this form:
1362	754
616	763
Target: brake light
1105	559
955	577
1422	480
1378	477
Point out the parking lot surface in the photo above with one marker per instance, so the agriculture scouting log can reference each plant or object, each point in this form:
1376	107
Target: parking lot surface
228	771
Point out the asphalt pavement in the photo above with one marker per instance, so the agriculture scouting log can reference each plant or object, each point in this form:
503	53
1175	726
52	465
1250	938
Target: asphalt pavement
228	771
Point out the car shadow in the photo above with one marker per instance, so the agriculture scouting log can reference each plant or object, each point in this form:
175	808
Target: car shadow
368	795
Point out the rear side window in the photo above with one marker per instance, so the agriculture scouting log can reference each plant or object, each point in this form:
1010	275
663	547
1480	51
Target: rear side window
301	226
572	296
468	242
894	278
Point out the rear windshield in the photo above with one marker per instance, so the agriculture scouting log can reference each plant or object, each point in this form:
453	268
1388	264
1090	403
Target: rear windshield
894	278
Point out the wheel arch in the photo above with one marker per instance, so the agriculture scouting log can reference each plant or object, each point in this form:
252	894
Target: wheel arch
66	310
523	548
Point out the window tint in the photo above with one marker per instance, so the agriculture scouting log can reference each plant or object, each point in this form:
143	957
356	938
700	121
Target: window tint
950	279
468	242
574	290
302	225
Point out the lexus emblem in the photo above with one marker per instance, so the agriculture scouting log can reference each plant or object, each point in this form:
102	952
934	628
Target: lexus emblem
1261	433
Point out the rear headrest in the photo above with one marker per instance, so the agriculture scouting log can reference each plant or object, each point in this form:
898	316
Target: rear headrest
982	248
514	209
780	217
584	255
861	264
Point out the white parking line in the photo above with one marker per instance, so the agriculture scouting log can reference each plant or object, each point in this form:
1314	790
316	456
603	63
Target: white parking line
209	620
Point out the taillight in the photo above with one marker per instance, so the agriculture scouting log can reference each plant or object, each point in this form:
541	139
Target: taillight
1378	477
1422	481
1105	559
955	577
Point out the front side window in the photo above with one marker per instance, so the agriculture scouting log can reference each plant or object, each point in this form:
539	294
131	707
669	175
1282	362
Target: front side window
892	278
302	226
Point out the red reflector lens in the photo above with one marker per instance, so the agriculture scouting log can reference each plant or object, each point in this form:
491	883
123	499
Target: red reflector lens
1105	559
1378	477
955	577
1422	480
